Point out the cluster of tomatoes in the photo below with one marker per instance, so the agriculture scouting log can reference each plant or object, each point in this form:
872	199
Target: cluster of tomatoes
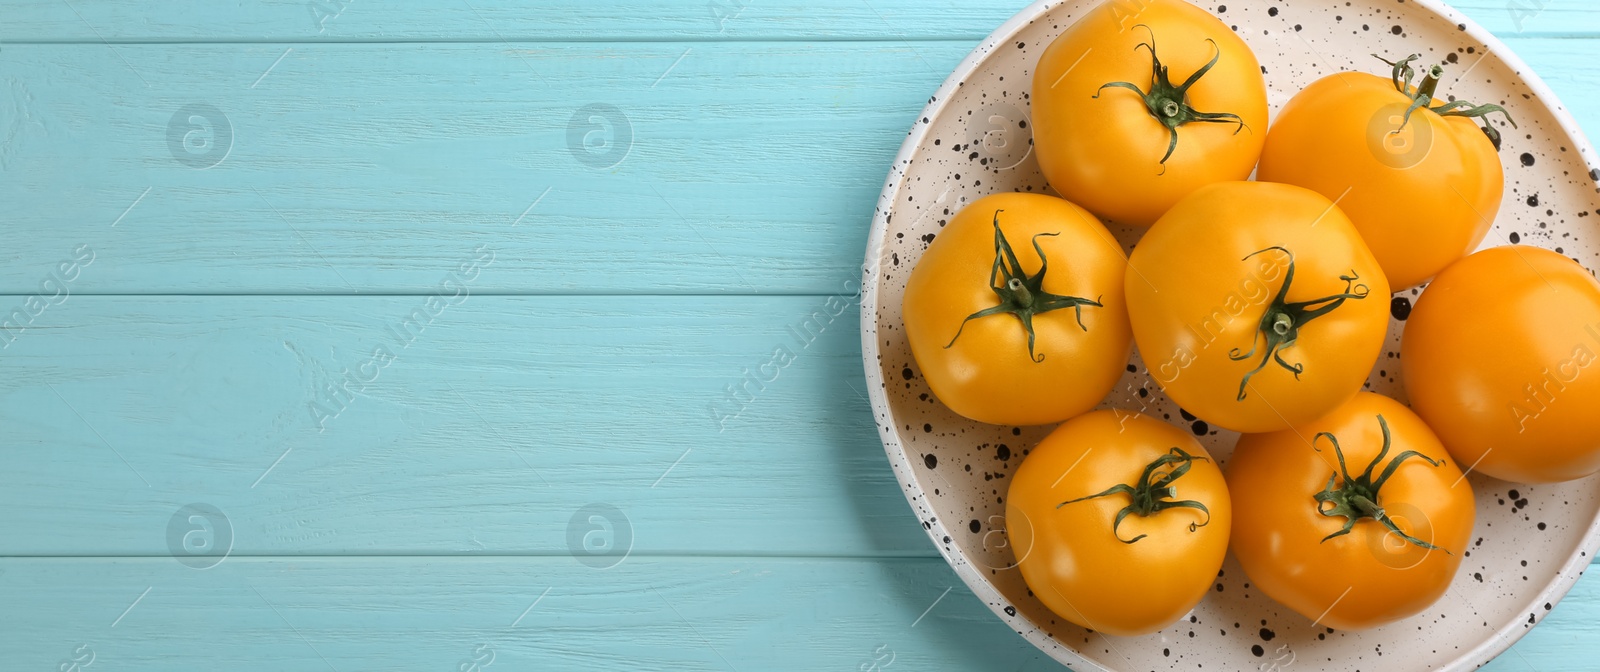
1261	307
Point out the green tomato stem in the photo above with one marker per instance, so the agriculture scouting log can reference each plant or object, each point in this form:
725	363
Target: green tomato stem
1358	497
1153	492
1280	326
1422	98
1021	294
1168	103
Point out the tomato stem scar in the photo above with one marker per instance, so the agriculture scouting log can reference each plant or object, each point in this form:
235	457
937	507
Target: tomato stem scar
1150	496
1422	98
1021	294
1168	103
1280	325
1358	497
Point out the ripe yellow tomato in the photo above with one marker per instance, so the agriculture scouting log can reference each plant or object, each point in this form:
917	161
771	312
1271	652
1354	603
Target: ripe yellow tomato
1422	188
1353	520
1015	312
1499	357
1119	522
1143	101
1256	306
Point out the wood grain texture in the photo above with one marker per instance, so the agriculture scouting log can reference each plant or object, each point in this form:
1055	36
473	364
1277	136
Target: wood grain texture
751	167
350	614
332	20
335	20
483	430
743	614
376	149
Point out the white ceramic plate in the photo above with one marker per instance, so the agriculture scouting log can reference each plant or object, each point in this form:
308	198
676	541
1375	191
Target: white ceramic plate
1530	543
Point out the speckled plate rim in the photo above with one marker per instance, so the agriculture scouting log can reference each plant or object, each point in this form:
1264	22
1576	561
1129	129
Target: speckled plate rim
1505	636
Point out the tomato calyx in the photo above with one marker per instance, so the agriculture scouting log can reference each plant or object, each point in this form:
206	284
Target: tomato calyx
1280	325
1169	103
1422	98
1021	294
1358	497
1150	497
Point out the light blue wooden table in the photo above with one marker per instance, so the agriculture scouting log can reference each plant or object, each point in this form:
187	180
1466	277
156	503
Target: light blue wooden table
399	335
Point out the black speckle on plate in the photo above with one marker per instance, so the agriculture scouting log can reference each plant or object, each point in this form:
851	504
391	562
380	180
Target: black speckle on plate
1400	308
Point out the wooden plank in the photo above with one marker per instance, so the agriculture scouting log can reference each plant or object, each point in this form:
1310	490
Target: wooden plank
1533	18
300	20
303	20
488	433
752	168
351	614
1574	80
358	168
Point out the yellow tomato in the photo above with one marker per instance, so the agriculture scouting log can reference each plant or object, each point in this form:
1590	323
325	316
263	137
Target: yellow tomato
1015	313
1421	188
1140	103
1256	306
1499	357
1353	520
1119	522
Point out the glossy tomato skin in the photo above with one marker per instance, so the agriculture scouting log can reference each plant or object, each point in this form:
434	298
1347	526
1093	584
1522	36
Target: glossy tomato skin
1072	558
987	373
1105	153
1421	198
1499	357
1278	533
1195	302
